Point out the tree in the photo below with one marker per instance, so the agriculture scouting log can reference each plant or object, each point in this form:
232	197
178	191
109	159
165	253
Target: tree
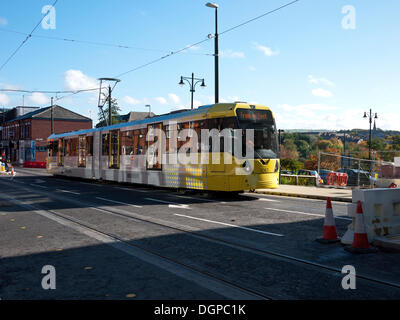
303	147
291	164
288	154
103	118
377	144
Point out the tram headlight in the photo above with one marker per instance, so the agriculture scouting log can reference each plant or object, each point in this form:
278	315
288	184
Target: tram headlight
246	166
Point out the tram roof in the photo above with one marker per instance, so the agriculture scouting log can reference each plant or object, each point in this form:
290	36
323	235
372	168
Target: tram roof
160	118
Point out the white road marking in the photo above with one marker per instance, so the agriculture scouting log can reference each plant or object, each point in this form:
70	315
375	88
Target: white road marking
119	202
67	191
131	189
171	204
231	225
36	185
308	214
270	200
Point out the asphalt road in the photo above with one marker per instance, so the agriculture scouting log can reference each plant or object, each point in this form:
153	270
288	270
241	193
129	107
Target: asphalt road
111	241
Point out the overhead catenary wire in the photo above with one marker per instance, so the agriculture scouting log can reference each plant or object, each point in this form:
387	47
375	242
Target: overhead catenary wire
207	39
47	91
121	46
26	39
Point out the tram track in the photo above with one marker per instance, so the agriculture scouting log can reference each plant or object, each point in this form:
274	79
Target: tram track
248	292
194	232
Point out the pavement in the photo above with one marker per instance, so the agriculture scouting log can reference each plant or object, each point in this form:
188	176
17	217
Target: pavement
321	193
113	241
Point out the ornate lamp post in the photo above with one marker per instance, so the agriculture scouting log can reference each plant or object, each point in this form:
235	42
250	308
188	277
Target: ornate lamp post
192	81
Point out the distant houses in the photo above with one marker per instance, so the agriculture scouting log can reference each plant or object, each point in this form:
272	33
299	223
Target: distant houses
25	130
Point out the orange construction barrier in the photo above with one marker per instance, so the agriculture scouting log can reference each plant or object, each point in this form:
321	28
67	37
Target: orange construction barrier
337	179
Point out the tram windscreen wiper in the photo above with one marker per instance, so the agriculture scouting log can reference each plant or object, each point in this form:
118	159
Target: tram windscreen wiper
259	156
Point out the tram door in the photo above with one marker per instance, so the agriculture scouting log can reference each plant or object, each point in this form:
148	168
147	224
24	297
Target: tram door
61	152
153	159
113	159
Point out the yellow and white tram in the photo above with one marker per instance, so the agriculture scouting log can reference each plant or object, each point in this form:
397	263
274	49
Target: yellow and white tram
121	152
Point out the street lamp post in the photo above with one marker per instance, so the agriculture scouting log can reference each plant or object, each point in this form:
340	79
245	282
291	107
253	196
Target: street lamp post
279	147
192	81
370	117
215	6
148	106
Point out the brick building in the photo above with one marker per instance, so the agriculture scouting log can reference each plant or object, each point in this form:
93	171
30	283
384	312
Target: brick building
24	138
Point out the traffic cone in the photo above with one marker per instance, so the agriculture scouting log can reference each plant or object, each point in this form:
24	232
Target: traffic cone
360	240
12	171
329	234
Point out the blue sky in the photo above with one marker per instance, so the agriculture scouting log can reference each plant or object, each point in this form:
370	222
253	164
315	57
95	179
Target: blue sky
300	61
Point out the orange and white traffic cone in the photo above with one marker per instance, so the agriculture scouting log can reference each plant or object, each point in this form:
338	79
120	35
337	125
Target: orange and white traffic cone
12	171
329	234
360	240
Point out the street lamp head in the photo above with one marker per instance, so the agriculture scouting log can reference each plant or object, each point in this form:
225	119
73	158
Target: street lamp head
365	114
203	85
212	5
376	116
181	83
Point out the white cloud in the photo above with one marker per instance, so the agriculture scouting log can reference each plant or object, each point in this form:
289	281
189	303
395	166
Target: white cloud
131	100
321	116
324	81
231	54
3	21
39	98
161	100
252	68
174	98
319	92
9	86
4	99
77	80
266	50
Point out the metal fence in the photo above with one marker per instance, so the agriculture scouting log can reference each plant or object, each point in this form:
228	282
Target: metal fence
360	172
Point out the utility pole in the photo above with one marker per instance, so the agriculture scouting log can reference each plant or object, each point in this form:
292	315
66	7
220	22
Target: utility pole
102	102
109	107
344	149
216	53
52	116
370	117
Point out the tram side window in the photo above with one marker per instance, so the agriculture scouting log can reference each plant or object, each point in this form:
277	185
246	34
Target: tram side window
68	148
141	142
220	124
53	148
127	143
74	147
89	145
105	144
180	127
